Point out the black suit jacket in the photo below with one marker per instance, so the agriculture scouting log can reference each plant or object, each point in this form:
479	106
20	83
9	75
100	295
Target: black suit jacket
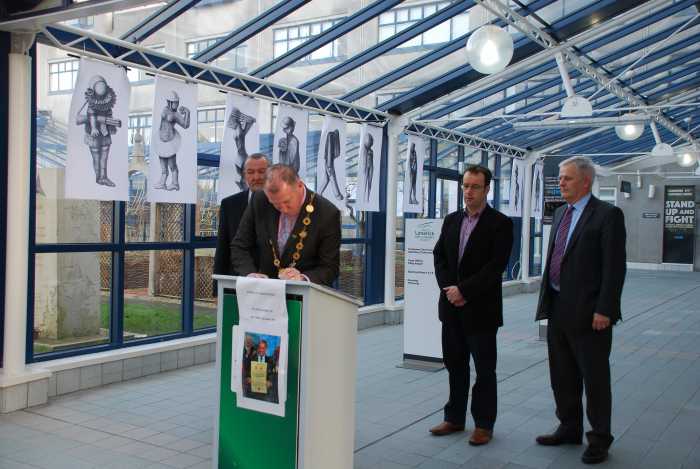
593	267
320	258
479	275
230	214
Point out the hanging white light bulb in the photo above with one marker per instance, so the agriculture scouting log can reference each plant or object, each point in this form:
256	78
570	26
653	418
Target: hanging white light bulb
489	49
629	131
687	157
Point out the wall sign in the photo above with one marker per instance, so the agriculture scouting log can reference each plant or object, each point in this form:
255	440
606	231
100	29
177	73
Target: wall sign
679	224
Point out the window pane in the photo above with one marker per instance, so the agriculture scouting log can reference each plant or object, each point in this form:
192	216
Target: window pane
71	300
352	268
204	300
386	32
438	34
386	18
402	16
460	25
60	220
304	31
280	34
293	33
207	210
152	293
166	223
399	270
280	48
416	13
447	194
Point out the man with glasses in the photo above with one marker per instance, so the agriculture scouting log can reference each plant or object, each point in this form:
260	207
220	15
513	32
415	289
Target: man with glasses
470	257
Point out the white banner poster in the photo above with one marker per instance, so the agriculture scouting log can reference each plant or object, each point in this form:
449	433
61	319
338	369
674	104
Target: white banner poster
172	175
517	181
330	169
413	174
260	346
421	327
537	191
369	170
241	138
98	149
290	138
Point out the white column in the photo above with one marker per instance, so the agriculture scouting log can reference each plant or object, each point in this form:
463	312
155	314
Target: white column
395	127
17	248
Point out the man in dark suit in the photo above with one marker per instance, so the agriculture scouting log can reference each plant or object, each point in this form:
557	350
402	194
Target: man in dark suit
470	257
580	297
232	209
295	232
261	356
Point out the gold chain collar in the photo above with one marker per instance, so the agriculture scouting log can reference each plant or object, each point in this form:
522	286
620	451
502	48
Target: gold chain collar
306	222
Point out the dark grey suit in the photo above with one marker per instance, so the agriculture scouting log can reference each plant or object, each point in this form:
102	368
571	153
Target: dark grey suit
593	271
230	214
320	257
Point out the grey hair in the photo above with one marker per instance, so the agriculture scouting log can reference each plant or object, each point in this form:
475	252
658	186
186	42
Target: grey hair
583	164
279	174
255	156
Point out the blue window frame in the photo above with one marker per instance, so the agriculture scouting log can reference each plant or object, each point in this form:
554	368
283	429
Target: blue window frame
288	38
140	123
398	19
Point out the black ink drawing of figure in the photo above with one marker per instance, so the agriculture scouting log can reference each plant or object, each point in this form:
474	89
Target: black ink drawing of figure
170	141
516	197
537	189
240	124
413	168
368	153
100	100
332	152
289	145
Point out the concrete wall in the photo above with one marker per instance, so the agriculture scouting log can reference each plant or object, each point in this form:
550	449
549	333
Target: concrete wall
645	235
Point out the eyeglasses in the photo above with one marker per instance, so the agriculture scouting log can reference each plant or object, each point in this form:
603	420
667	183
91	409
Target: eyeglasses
476	187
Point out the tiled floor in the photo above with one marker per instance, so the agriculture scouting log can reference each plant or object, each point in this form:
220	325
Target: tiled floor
166	420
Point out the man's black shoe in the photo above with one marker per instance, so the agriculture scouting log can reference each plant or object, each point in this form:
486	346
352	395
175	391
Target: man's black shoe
594	455
556	439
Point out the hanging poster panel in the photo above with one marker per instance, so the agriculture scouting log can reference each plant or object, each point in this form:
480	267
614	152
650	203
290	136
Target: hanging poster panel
517	188
97	167
290	138
413	174
241	139
552	193
679	225
173	154
537	199
422	327
369	169
330	167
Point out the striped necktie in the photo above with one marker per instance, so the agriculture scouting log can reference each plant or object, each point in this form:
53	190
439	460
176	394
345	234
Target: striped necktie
560	247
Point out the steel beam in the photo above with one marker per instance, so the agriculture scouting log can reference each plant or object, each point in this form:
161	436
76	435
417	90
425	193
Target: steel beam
455	79
157	20
574	59
248	30
124	53
388	44
348	24
467	140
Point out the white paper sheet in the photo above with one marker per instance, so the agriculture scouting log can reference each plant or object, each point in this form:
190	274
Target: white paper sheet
369	169
413	174
330	166
290	138
517	189
97	167
537	192
241	139
173	151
